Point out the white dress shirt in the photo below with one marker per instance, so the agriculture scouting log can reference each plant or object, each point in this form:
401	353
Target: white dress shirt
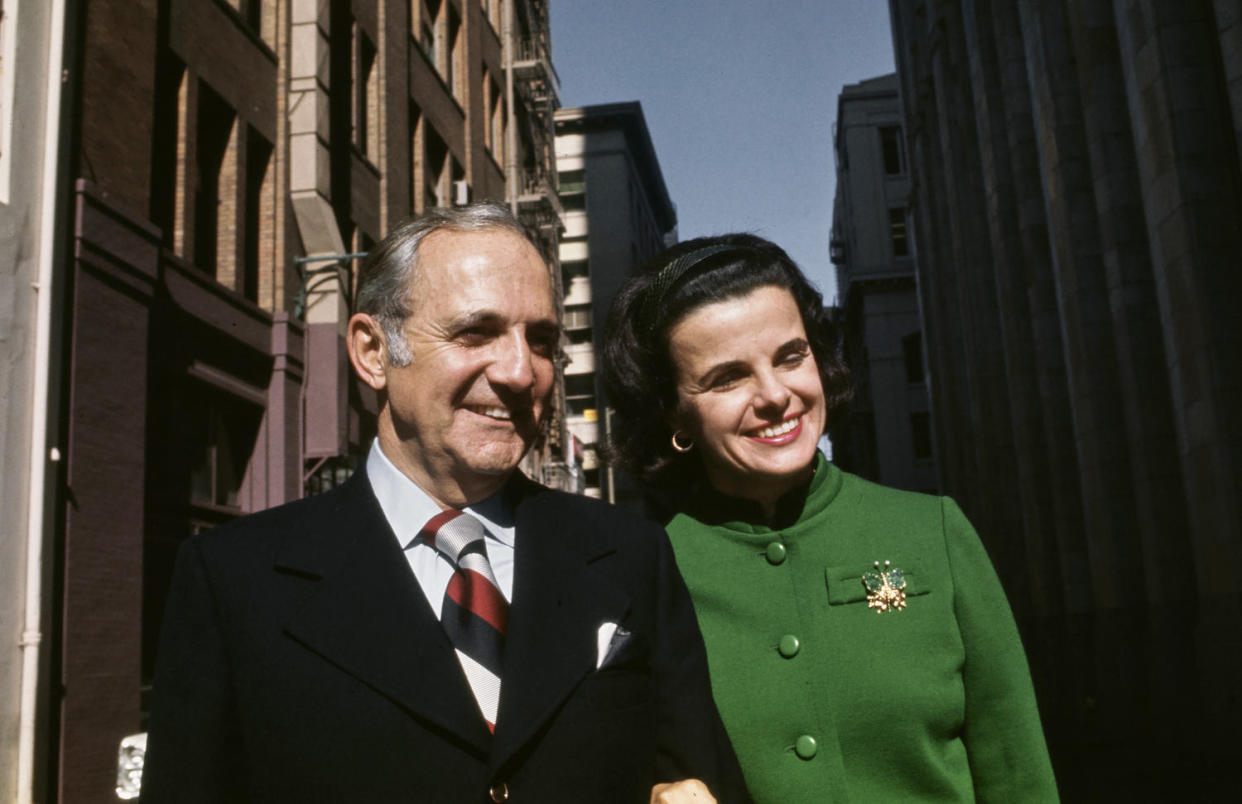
408	508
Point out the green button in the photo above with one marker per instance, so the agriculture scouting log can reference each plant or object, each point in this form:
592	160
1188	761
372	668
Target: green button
789	646
805	748
775	553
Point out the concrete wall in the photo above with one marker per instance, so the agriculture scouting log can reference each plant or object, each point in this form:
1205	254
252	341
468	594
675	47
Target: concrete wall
25	69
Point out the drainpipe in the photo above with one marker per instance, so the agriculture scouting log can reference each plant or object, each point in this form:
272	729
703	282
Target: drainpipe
511	177
39	455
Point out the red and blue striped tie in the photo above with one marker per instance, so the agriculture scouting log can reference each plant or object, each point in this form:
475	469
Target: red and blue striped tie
474	613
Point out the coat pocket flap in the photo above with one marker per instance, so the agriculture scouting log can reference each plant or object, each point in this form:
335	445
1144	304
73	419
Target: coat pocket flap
845	584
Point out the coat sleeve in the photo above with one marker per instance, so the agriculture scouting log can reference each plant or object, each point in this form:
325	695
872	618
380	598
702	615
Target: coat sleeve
692	742
194	743
1002	732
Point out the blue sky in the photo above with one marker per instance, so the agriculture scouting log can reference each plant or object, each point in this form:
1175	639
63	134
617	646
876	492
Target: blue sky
740	97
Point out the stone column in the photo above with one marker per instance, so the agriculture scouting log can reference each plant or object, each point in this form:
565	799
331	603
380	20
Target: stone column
971	268
1178	94
1082	292
995	77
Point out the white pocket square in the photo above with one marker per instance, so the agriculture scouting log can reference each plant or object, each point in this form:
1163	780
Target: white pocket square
603	640
610	641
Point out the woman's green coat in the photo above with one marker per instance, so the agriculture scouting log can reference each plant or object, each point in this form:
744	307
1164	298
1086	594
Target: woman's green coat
828	699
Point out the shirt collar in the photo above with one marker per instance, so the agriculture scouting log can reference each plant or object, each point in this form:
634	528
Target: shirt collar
407	507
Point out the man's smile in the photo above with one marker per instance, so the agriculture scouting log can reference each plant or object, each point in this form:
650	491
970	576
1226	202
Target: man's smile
491	411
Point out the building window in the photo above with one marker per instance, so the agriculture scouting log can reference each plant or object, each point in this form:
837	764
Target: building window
573	268
890	144
215	196
920	434
493	115
222	435
453	72
578	317
435	20
168	141
427	35
440	171
572	181
912	347
456	178
365	95
258	250
897	228
434	164
580	393
330	474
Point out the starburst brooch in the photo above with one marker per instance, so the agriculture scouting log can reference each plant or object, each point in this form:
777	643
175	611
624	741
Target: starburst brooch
886	588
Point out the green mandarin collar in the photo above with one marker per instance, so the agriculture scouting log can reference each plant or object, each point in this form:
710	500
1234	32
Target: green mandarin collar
710	507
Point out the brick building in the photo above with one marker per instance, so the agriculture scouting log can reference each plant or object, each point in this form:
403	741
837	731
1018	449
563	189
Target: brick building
224	161
1077	171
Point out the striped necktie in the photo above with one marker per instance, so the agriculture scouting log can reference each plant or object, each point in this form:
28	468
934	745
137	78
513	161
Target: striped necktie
474	612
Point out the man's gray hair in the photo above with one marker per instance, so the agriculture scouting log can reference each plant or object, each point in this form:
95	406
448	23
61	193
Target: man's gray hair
387	274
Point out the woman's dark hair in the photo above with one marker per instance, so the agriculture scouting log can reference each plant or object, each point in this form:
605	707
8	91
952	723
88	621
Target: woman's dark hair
638	371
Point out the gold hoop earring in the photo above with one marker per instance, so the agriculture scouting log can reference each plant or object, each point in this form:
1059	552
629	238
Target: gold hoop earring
689	445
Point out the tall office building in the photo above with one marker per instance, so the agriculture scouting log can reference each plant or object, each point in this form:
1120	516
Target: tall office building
887	436
224	163
1077	167
617	215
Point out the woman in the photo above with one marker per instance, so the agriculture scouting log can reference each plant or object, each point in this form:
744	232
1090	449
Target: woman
859	641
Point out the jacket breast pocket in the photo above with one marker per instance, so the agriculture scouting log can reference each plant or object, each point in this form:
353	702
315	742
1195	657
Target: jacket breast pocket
615	688
849	584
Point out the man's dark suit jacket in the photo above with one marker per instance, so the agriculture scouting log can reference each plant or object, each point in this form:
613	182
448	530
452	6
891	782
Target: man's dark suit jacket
300	661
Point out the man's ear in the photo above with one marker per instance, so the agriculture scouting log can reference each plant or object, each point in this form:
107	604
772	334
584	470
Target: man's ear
364	338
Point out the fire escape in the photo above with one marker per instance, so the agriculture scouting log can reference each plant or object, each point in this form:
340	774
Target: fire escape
534	95
536	98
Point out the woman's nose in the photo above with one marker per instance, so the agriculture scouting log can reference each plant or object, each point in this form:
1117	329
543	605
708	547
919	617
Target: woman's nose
771	393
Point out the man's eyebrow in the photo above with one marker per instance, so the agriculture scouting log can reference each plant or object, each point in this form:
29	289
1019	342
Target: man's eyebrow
474	318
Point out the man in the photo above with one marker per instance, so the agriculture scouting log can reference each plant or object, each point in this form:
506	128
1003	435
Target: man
439	628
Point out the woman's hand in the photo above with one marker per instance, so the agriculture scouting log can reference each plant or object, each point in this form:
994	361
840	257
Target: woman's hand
687	791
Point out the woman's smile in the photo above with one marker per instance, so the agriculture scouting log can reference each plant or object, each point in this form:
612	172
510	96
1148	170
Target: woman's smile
782	433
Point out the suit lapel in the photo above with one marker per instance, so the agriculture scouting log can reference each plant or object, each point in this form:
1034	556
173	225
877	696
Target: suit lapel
368	616
559	602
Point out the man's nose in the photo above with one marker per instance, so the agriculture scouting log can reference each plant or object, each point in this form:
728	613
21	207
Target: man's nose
513	366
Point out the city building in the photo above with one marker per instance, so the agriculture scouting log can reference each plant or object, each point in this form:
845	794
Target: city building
30	89
617	216
1077	182
887	436
222	165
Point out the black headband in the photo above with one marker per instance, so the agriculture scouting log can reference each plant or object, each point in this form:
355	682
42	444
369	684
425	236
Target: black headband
669	275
